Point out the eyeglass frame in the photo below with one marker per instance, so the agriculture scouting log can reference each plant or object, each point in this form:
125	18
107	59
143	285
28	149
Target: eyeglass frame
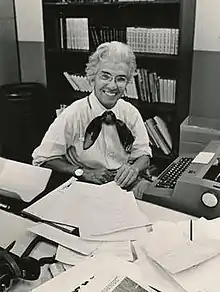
111	77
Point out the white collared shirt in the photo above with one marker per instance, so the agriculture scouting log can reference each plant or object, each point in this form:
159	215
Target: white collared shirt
65	136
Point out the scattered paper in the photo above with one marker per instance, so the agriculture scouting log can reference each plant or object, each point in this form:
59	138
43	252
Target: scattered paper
201	278
123	235
160	278
121	249
203	157
68	240
26	180
111	209
178	253
98	274
108	208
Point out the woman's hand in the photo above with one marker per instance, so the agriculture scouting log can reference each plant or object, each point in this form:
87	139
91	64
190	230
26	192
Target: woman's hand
140	188
98	176
126	175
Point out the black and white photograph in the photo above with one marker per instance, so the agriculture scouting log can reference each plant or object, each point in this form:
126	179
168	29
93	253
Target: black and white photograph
109	141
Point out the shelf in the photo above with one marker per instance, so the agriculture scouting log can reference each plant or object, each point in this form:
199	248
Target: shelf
156	56
67	52
154	106
138	54
113	3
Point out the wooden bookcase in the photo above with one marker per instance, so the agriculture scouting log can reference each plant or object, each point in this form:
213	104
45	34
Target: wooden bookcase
171	14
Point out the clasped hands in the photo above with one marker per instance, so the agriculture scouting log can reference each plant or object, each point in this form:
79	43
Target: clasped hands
126	177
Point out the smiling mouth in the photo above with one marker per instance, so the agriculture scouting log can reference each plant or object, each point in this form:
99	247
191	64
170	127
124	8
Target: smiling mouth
110	93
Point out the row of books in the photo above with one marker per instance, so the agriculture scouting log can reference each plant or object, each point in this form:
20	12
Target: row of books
153	88
159	134
153	40
103	34
74	33
148	87
77	34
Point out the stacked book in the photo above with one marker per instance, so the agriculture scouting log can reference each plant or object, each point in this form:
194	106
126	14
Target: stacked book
152	88
158	134
153	40
78	82
81	83
146	86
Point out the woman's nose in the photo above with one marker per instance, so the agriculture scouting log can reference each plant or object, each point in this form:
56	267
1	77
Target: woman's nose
112	84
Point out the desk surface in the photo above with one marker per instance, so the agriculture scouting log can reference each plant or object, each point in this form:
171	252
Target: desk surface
15	228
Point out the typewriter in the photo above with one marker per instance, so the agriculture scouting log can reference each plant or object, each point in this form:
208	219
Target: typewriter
190	184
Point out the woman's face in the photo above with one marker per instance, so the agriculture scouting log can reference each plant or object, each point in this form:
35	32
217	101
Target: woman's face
110	82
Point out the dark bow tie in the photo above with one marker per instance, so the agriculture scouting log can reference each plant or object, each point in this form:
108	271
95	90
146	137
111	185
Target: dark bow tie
108	117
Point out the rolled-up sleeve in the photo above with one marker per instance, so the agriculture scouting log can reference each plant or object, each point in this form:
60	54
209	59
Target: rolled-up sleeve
141	145
55	142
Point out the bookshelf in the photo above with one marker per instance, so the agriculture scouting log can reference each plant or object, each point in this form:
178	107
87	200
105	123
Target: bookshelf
161	33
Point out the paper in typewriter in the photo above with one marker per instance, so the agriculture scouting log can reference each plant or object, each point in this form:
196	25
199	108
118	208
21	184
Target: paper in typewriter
26	180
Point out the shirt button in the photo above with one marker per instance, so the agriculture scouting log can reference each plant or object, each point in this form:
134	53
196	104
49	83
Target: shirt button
111	154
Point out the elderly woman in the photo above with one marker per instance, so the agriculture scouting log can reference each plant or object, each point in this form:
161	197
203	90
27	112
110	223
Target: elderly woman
101	137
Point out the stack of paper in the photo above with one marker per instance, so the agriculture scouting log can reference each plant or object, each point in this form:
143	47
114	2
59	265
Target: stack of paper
108	219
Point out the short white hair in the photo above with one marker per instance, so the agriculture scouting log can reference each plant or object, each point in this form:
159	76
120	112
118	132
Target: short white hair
114	51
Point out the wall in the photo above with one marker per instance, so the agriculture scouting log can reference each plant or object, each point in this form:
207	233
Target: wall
205	89
9	68
30	40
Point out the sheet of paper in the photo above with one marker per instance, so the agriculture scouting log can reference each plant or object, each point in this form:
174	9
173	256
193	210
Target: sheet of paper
177	252
203	157
184	256
201	278
123	235
111	209
160	278
121	249
100	273
95	209
203	228
26	180
68	240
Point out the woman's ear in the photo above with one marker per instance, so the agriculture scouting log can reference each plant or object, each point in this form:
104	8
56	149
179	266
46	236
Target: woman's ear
92	83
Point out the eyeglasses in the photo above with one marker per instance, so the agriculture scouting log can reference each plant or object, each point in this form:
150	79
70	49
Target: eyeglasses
120	80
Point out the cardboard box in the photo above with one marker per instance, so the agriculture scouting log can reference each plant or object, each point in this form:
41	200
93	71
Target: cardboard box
196	133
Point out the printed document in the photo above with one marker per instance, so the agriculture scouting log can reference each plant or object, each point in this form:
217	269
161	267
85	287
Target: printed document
26	180
203	277
103	273
94	209
178	252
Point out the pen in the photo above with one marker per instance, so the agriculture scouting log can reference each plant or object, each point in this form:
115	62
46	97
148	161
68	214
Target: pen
191	230
55	224
154	288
